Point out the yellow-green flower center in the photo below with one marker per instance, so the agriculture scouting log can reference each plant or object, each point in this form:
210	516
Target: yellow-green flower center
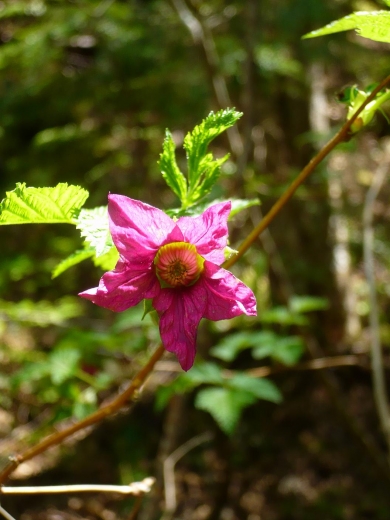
178	264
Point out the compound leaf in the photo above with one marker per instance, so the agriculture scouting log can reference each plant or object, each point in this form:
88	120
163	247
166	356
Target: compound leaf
170	170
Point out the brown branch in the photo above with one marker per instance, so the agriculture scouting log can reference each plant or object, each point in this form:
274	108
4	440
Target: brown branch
101	413
139	379
135	488
313	364
342	135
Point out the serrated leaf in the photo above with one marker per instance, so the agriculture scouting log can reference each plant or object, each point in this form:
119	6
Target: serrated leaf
63	364
210	171
224	404
203	170
301	304
195	210
261	388
93	225
42	205
170	170
73	259
374	25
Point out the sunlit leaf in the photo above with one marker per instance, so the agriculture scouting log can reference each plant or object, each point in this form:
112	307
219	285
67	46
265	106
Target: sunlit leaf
203	169
169	169
108	260
42	205
374	25
93	225
73	259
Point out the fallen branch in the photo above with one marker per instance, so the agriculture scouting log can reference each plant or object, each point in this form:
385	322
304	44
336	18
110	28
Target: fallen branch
135	488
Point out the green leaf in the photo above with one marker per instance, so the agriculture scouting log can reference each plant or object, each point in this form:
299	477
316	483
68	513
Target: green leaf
286	350
239	205
301	304
108	261
233	344
195	210
266	345
42	205
210	170
93	224
224	404
203	170
85	404
289	350
169	169
261	388
41	313
283	316
63	364
74	259
204	372
374	25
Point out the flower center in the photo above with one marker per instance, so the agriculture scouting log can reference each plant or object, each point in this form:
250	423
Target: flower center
178	264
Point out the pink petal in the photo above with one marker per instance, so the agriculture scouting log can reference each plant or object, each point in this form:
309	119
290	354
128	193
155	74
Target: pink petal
227	296
137	229
180	313
208	232
123	288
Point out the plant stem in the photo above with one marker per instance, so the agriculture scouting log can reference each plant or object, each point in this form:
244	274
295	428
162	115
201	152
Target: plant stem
101	413
135	488
342	135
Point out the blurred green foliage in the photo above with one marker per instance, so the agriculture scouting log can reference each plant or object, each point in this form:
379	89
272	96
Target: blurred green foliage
87	90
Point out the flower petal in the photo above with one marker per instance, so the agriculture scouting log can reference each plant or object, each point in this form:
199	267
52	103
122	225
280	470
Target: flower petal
208	232
123	288
137	229
227	296
180	313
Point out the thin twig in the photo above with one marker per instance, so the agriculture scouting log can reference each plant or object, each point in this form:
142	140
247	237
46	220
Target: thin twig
313	364
378	374
135	488
140	378
104	411
169	468
6	515
342	135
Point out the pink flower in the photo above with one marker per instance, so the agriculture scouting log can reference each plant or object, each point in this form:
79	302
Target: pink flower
176	264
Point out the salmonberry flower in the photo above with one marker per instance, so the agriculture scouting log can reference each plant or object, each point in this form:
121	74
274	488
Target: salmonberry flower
176	263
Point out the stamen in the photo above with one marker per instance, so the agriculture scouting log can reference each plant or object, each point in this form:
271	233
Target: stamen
178	264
